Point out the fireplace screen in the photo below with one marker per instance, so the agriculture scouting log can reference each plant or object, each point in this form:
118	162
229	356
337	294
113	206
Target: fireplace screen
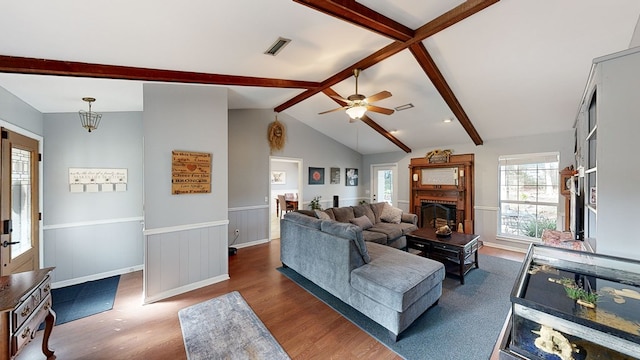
436	215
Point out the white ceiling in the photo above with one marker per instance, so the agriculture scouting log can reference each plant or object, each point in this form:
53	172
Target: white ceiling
517	67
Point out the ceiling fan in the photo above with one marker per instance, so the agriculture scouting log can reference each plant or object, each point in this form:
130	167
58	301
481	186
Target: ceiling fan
357	104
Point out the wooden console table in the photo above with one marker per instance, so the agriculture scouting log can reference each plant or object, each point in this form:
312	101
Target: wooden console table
25	302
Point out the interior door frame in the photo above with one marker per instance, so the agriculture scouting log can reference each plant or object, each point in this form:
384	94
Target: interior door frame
18	130
372	181
299	161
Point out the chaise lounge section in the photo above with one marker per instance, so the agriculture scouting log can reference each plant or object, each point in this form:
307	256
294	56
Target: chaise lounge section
388	285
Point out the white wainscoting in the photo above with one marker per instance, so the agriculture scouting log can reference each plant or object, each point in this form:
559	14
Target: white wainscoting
184	258
92	250
486	225
252	223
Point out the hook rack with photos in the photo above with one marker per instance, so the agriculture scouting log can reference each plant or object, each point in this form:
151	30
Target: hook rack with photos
97	180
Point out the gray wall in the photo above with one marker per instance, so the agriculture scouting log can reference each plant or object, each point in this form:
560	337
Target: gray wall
486	174
249	177
185	235
92	235
16	112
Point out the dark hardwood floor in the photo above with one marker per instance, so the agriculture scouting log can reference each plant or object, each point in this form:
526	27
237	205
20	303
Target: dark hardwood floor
304	326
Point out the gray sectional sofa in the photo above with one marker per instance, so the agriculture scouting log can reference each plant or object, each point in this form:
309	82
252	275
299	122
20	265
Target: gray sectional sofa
388	285
381	232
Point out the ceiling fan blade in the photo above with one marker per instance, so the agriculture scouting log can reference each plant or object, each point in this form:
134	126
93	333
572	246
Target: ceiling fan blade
340	99
380	110
379	96
337	109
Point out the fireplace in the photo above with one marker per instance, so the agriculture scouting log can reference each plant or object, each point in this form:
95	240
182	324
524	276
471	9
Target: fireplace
435	215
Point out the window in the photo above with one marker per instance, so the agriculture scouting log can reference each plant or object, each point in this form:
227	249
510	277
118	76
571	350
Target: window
528	194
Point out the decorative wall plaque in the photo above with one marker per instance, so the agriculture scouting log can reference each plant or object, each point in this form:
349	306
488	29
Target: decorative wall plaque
97	180
190	172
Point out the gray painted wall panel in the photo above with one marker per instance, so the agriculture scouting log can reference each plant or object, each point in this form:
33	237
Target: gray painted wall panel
17	112
187	118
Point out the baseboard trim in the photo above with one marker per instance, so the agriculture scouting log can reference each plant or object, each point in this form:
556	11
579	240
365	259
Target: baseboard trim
250	243
503	247
184	289
80	280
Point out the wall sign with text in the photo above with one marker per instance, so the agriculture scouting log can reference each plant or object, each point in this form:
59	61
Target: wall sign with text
190	172
97	180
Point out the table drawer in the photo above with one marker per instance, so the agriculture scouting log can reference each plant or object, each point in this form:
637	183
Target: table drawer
33	300
24	334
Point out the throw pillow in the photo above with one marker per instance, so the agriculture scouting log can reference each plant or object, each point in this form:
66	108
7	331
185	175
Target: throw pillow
362	222
391	214
322	215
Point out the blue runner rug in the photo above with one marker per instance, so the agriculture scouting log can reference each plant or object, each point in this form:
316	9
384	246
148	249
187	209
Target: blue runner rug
82	300
464	325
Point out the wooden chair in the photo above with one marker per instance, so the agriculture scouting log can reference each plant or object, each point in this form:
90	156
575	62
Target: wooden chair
284	206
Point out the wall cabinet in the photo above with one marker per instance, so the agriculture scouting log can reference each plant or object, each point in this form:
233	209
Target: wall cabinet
607	130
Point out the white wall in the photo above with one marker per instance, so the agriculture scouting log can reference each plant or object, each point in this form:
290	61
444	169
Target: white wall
486	173
185	235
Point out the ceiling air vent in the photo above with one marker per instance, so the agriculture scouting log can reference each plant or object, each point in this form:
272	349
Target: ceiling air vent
277	46
404	107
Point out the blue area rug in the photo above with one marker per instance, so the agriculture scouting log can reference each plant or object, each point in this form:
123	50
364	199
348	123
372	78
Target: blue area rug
464	325
226	327
82	300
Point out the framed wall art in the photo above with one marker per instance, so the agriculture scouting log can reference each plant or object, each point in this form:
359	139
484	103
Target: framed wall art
352	177
335	175
278	177
316	176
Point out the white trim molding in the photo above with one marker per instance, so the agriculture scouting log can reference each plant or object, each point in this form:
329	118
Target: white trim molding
92	277
178	228
186	288
92	223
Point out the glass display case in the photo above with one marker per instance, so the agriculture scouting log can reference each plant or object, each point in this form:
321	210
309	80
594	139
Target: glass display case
569	304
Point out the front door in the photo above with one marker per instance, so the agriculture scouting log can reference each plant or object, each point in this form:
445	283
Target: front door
384	184
19	214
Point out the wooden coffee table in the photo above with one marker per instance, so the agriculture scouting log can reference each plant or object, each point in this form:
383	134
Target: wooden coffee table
458	252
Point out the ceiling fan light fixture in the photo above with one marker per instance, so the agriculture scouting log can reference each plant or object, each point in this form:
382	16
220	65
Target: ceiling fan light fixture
357	111
88	119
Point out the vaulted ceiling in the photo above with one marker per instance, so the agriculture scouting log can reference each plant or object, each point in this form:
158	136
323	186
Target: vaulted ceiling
497	68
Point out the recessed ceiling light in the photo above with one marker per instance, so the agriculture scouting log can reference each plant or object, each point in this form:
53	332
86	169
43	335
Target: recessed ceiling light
277	46
447	120
404	107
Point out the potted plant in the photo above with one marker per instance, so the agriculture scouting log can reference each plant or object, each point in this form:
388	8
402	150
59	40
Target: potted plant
315	203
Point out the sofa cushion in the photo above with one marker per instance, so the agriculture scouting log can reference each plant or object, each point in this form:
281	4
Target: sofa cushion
391	214
330	213
407	227
396	278
375	237
343	214
364	210
362	222
392	231
306	212
322	215
377	210
347	231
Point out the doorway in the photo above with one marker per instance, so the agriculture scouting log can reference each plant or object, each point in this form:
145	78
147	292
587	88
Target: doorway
285	180
19	203
384	183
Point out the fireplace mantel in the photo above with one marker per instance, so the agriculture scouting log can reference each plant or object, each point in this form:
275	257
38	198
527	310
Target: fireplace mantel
445	183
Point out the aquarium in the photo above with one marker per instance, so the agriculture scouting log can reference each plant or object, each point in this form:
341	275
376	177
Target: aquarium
569	304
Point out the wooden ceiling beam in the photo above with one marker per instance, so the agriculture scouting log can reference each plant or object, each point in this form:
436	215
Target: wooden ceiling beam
355	13
443	21
367	120
426	62
22	65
